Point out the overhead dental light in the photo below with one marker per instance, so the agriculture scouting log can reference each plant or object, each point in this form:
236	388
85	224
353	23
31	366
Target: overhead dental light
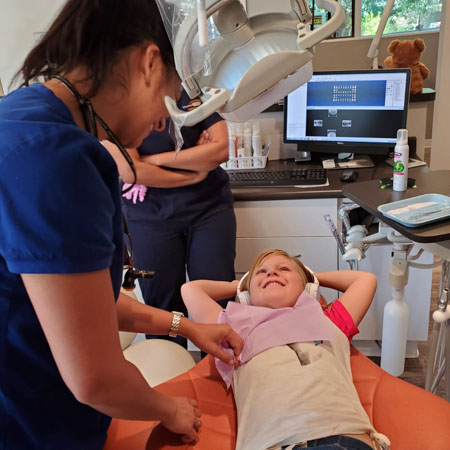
241	65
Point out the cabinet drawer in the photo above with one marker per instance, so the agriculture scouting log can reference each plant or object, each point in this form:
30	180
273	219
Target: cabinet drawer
284	217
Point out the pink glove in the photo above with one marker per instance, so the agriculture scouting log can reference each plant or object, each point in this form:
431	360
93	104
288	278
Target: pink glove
137	192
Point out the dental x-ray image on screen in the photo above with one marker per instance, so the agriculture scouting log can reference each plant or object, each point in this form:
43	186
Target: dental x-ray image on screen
358	109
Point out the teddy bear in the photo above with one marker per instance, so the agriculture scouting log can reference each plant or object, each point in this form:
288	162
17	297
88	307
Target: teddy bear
407	54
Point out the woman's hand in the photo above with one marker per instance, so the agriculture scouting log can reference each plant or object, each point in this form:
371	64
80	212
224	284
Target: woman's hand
208	337
204	138
185	420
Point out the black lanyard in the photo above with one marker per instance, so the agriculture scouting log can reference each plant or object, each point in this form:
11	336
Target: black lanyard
91	118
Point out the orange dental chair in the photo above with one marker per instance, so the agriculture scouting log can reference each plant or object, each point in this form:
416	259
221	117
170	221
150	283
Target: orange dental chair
412	418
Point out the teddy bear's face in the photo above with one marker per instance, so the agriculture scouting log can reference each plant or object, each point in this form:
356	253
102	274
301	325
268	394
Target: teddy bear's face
406	52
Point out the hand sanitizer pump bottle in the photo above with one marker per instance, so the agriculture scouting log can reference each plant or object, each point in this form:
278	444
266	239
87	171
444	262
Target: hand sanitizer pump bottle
401	157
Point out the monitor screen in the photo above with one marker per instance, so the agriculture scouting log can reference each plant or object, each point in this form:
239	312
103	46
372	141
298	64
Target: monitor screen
348	111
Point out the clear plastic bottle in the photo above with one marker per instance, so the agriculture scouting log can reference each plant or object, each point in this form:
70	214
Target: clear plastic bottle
256	139
247	140
401	158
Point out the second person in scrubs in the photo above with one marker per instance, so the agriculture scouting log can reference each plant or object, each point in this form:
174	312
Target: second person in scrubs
183	222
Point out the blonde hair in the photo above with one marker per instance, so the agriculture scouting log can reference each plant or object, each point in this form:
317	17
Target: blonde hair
305	275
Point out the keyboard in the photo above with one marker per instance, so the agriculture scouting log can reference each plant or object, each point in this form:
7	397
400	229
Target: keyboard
262	178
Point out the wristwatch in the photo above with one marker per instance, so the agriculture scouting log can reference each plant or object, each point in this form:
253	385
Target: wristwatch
176	319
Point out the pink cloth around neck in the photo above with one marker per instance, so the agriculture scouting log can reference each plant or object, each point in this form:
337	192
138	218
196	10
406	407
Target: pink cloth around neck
262	328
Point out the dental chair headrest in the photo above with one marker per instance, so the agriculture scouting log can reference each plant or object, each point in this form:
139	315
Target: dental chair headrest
312	289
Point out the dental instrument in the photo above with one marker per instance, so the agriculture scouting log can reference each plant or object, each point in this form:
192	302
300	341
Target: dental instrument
334	232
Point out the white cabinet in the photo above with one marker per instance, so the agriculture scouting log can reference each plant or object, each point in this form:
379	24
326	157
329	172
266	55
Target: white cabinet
296	226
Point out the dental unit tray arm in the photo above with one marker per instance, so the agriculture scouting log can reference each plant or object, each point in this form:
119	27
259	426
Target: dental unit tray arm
253	63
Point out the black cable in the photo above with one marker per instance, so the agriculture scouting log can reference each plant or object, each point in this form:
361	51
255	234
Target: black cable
132	274
85	106
122	149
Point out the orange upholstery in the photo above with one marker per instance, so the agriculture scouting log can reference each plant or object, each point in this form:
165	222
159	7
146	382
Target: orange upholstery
412	418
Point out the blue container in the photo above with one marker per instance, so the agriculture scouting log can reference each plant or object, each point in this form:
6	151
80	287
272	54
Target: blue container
417	211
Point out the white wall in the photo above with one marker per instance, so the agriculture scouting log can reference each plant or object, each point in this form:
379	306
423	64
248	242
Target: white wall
19	20
440	148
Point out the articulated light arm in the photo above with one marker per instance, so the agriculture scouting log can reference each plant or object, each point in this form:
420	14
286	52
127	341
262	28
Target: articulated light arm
373	49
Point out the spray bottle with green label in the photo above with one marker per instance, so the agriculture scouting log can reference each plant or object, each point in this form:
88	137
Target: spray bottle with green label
401	157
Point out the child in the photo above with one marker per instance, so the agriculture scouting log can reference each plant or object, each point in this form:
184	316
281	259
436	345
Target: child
294	384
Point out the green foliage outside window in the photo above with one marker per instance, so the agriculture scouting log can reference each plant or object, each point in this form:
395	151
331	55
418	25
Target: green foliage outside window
406	16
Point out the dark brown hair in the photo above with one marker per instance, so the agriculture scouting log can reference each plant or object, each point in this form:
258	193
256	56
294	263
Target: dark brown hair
94	34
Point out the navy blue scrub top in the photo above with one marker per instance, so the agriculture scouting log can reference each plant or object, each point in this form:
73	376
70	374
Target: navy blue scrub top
60	212
184	204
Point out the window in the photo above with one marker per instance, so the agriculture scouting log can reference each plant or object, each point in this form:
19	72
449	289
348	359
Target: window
320	16
406	16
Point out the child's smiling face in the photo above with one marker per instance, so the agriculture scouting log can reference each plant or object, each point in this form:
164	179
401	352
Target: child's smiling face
276	283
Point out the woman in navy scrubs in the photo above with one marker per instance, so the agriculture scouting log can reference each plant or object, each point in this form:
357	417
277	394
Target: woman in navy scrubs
182	226
105	67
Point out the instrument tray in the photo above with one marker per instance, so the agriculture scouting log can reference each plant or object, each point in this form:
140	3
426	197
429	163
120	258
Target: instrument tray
417	211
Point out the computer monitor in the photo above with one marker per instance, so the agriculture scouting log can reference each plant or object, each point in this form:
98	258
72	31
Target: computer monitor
347	112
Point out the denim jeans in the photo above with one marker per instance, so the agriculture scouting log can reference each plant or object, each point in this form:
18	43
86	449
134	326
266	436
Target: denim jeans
336	443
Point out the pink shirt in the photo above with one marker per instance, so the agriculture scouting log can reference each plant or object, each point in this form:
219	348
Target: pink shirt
262	328
342	319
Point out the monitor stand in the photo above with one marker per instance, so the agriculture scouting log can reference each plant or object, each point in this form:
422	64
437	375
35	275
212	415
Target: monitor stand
301	155
348	161
345	156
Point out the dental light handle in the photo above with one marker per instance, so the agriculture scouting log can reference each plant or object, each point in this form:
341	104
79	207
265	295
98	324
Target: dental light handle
373	49
213	99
